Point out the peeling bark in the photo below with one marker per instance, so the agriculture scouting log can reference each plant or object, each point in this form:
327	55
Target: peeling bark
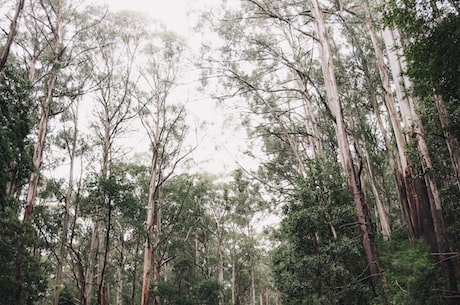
362	208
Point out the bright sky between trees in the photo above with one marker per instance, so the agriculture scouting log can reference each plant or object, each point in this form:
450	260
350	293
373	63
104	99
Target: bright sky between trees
173	13
222	142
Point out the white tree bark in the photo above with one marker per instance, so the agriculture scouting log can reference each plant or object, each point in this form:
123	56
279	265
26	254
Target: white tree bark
344	148
37	158
72	148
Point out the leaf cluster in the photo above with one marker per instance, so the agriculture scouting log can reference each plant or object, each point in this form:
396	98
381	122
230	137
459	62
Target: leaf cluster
319	259
410	273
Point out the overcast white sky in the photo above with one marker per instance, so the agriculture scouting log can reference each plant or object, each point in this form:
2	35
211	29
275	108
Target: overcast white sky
173	13
222	143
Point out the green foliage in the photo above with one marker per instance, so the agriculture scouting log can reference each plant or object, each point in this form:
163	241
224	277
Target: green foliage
16	121
411	276
319	260
67	296
22	276
431	32
205	292
171	295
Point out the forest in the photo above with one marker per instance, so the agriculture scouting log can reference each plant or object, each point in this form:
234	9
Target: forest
351	121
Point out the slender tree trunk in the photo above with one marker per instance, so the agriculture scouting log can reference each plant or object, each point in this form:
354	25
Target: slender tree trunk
253	286
134	281
119	299
292	143
362	207
382	215
103	284
89	274
234	272
277	298
252	289
150	229
156	250
104	212
72	146
220	260
11	34
311	125
44	117
314	143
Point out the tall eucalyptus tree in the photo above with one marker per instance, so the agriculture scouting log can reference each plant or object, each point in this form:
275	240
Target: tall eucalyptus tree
47	17
423	79
297	22
117	40
164	121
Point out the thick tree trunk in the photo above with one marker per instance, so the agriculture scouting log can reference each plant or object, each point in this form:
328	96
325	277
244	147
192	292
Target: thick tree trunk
45	115
394	54
37	159
434	198
11	34
410	199
334	101
451	141
433	201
